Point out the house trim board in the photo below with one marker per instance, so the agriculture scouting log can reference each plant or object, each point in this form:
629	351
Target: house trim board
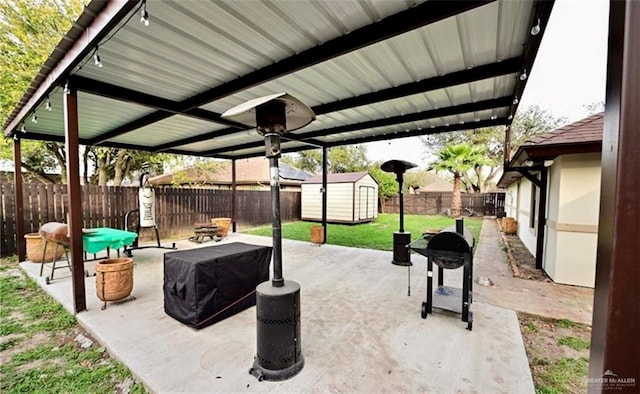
572	227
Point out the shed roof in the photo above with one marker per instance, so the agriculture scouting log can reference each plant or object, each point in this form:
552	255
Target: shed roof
370	69
583	136
347	177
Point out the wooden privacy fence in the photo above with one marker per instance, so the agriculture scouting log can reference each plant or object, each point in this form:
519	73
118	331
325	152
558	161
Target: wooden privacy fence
105	206
437	203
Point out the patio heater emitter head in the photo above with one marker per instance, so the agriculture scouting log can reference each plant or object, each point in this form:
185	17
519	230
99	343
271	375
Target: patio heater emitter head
279	344
401	239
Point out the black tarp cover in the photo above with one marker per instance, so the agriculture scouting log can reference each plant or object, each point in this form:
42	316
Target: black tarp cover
205	285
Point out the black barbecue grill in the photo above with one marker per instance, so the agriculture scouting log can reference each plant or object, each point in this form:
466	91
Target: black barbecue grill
449	249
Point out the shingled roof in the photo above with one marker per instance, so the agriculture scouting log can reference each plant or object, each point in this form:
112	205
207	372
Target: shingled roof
587	130
583	136
347	177
254	170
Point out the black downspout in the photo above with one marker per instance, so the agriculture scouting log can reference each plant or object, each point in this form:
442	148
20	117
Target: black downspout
542	221
234	197
324	195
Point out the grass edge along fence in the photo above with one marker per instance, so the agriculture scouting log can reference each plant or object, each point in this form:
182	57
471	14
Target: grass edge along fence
177	209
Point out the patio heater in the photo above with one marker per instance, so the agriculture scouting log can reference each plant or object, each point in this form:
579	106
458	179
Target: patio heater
401	239
279	345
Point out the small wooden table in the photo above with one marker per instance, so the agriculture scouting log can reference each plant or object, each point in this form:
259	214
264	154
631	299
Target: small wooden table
205	229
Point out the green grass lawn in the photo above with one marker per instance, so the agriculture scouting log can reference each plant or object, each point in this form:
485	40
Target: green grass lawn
37	346
374	235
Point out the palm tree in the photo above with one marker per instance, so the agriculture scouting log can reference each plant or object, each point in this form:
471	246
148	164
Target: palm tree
458	159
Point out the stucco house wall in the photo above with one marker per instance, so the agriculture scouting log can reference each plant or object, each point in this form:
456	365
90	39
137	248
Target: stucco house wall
572	221
519	193
571	157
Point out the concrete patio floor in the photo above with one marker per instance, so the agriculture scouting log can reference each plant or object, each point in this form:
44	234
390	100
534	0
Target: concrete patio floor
360	330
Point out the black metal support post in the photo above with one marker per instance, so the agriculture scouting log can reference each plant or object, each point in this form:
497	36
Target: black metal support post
401	197
277	280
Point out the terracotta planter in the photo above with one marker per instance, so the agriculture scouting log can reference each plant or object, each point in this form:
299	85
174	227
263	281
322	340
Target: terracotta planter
509	225
114	279
35	247
222	224
317	234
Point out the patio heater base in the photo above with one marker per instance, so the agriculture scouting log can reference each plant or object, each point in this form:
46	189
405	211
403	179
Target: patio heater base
401	254
279	355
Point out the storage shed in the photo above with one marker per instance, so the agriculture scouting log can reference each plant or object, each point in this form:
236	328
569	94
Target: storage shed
351	198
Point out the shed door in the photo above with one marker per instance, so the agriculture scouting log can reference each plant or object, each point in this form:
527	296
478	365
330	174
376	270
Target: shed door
367	202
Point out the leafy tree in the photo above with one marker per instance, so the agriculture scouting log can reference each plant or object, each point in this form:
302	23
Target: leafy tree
594	108
340	159
529	123
387	184
29	32
458	159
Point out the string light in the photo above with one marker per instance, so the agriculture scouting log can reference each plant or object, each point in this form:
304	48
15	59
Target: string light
34	118
535	30
66	88
96	59
144	15
515	100
493	117
510	117
47	105
523	76
22	129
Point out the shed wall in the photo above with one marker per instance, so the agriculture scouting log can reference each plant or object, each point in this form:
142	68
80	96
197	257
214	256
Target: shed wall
351	202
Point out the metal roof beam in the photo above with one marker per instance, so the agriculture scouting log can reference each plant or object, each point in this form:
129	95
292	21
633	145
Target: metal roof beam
95	22
479	73
423	115
542	10
421	132
108	90
492	70
402	22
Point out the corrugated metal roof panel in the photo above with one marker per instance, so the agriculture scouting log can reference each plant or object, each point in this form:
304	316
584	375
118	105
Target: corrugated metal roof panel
191	48
168	130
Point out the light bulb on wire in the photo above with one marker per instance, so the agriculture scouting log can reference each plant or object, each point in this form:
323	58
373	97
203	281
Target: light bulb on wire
34	118
96	59
515	100
47	105
523	76
535	30
22	129
144	15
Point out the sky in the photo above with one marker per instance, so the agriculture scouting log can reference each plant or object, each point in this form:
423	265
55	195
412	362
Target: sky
568	73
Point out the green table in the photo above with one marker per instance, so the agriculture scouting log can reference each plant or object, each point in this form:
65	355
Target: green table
95	240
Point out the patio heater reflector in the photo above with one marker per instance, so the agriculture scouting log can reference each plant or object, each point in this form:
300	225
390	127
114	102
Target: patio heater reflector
279	344
401	239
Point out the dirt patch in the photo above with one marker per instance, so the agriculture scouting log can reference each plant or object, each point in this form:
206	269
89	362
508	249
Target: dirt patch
558	352
522	262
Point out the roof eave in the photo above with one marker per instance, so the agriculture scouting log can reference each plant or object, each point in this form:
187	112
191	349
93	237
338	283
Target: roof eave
539	153
95	22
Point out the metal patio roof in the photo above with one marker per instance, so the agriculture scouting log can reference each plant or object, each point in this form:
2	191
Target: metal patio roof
370	69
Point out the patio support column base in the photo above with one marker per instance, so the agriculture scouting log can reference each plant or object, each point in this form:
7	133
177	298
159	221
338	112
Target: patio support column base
279	355
401	254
